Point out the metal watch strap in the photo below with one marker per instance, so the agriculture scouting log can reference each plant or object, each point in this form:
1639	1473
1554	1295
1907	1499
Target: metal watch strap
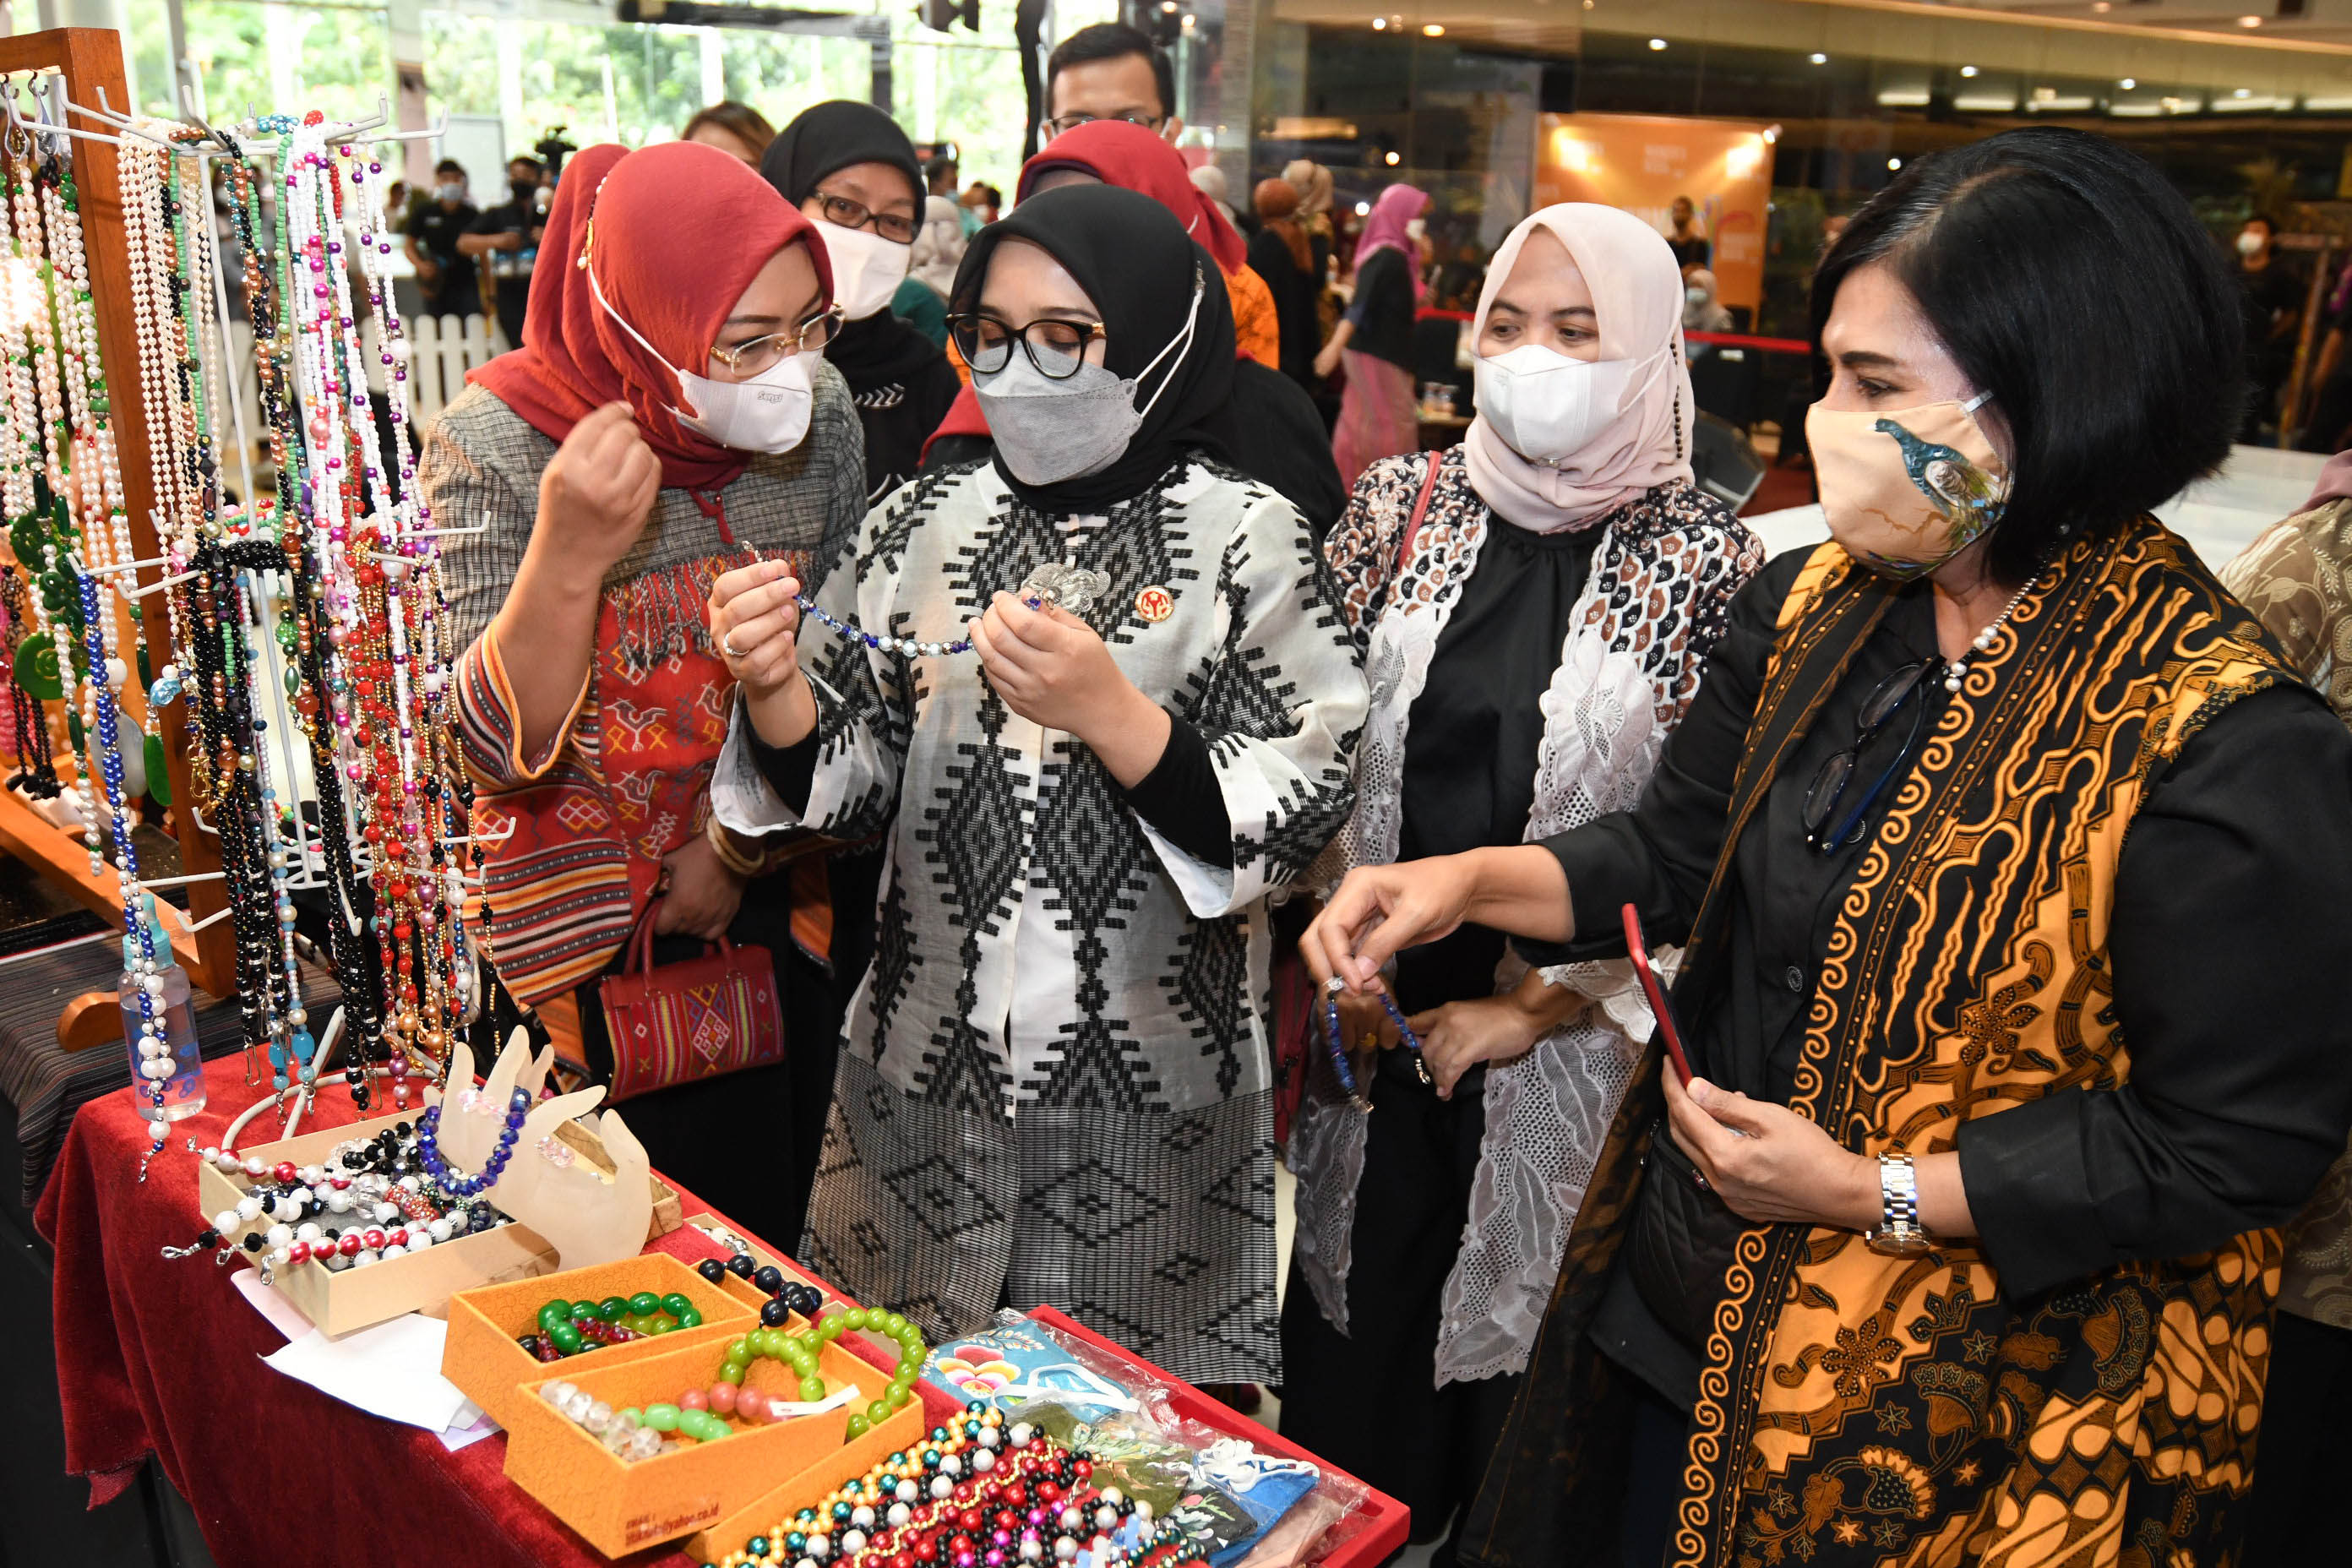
1898	1191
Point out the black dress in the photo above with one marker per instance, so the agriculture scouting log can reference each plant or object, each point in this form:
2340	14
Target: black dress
1366	1400
1294	290
903	387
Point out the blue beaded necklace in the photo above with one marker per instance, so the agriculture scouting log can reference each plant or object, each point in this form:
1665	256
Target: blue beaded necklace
1340	1066
1072	588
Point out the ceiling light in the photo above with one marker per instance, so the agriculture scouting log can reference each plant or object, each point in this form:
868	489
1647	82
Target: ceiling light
1379	24
1363	209
1820	59
2128	83
1657	43
1433	30
2241	92
1893	164
1771	134
2249	21
1393	160
2101	7
1967	71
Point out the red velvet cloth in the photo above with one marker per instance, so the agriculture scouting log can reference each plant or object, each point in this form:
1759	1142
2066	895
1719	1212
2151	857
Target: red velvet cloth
164	1355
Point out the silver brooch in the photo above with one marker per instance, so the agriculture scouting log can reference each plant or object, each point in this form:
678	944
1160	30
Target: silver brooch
1074	588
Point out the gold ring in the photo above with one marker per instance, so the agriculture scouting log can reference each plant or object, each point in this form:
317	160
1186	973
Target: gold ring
1368	1040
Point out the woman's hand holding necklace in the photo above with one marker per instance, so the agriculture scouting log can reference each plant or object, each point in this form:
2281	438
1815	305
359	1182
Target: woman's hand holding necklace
755	622
1050	667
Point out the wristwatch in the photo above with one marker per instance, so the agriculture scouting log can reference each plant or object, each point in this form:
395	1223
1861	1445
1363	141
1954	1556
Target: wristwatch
1898	1234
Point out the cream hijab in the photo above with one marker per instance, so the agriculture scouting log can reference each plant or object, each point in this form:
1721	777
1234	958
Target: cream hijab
1637	300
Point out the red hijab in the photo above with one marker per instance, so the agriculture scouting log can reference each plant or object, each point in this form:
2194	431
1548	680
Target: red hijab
1120	153
656	211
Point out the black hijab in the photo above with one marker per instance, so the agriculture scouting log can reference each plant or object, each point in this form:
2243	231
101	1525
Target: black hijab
1142	272
882	349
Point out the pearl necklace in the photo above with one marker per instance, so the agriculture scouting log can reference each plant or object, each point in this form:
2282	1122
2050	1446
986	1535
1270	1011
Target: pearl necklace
1956	670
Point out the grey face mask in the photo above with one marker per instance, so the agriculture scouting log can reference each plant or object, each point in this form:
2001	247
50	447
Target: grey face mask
1048	431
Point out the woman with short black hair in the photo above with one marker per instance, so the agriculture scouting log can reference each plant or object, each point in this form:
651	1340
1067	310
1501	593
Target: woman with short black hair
2007	857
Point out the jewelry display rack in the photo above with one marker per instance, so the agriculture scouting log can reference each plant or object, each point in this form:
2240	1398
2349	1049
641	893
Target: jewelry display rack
88	61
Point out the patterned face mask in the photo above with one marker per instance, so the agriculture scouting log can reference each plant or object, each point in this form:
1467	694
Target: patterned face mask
1905	490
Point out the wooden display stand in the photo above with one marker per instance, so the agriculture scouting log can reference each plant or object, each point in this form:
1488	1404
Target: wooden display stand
90	60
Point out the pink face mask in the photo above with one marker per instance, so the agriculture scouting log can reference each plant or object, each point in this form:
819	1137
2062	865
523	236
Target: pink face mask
1906	489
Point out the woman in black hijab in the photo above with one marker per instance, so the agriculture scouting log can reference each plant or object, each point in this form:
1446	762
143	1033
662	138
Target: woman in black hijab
1094	694
848	166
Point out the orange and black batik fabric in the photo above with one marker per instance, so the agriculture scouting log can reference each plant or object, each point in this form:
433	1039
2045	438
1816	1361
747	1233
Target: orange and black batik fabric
1856	1408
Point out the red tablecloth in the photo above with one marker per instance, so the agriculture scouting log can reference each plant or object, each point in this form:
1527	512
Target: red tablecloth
163	1355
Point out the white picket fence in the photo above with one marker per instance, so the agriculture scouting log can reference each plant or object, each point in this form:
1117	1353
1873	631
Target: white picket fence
442	349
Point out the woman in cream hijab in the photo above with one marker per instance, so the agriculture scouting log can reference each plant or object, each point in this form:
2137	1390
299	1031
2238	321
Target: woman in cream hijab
1529	640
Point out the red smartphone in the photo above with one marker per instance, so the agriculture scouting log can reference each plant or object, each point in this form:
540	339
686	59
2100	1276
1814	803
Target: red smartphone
1660	1008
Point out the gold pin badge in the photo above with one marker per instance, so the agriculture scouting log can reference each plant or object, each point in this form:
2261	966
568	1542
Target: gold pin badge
1155	603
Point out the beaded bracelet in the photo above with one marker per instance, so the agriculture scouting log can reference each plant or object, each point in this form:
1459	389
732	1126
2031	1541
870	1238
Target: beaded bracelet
800	1351
1339	1067
571	1328
786	1298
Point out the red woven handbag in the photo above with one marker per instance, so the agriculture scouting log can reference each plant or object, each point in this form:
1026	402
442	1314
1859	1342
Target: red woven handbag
685	1022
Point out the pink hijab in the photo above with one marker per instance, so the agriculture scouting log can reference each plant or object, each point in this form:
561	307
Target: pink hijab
1637	301
1384	230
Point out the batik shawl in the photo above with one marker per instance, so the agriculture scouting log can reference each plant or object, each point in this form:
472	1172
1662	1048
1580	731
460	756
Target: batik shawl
1654	603
1857	1408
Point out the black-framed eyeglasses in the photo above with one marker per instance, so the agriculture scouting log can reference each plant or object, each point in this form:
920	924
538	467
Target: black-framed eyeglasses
766	353
1057	348
847	214
1830	824
1063	123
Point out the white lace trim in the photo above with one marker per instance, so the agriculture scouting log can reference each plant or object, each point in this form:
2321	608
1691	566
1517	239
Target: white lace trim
1326	1134
1547	1114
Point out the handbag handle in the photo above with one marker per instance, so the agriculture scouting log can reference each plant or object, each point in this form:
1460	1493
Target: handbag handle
1412	525
639	951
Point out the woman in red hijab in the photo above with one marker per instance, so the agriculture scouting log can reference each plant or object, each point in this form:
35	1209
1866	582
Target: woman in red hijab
670	418
1119	154
1275	437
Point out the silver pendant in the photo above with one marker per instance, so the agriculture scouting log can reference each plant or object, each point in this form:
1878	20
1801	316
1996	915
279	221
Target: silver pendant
1073	588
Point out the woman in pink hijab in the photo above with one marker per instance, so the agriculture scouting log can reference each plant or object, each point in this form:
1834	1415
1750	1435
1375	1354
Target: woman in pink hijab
1535	607
1374	340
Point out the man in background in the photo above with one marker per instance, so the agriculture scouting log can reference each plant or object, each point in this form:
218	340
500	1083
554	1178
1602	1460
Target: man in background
1688	241
2273	305
1110	71
505	239
434	236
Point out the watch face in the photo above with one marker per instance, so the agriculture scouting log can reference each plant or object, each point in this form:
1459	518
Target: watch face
1908	1242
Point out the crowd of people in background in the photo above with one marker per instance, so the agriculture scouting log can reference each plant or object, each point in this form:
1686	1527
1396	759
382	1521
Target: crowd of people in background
1144	727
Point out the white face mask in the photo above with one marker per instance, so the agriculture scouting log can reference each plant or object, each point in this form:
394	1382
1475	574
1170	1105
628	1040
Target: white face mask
1415	229
1548	407
452	193
866	268
1696	295
769	413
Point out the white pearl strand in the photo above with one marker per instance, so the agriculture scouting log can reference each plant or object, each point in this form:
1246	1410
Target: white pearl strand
1956	670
